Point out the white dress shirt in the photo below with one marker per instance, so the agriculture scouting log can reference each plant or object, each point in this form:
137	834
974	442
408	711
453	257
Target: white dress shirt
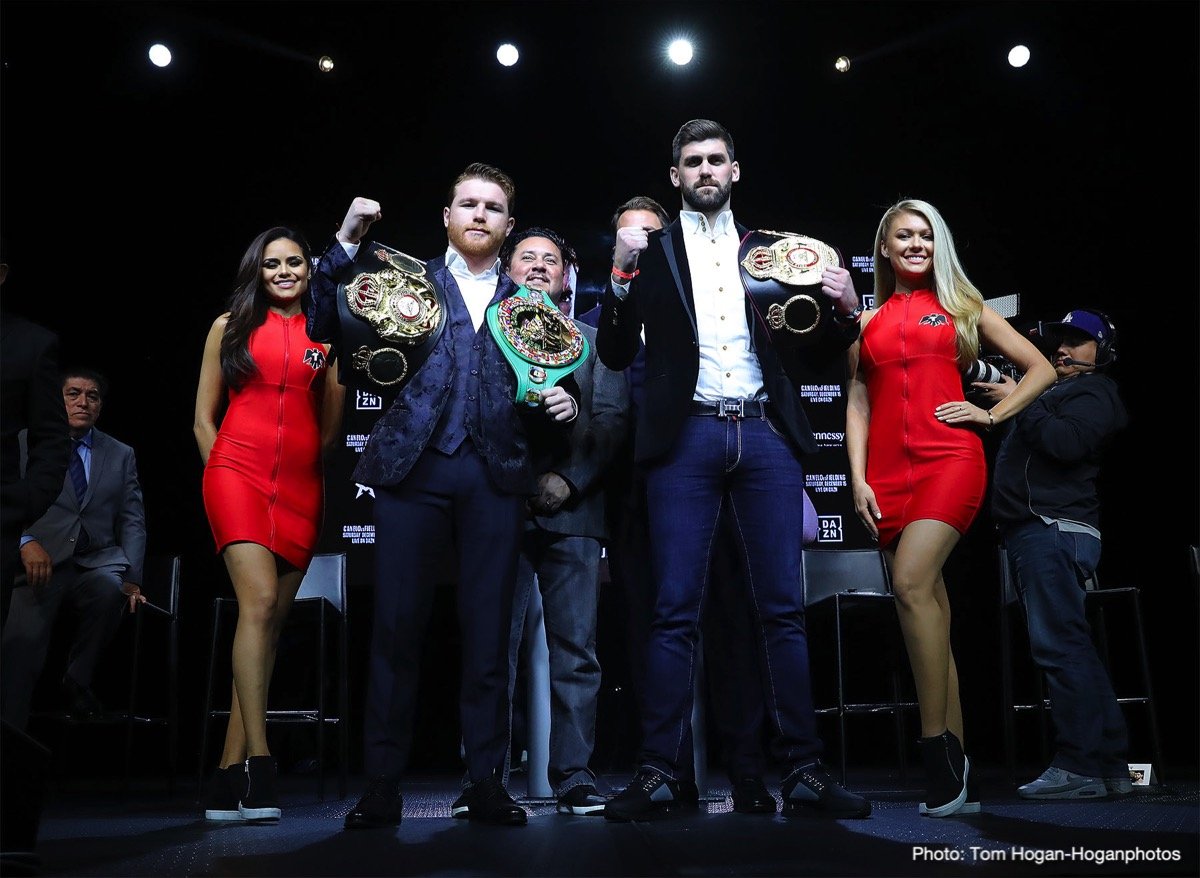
729	369
477	289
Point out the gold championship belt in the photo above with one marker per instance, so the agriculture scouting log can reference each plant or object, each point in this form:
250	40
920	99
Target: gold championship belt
539	342
391	315
781	272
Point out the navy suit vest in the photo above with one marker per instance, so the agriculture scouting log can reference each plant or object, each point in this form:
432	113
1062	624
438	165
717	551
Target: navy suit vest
462	407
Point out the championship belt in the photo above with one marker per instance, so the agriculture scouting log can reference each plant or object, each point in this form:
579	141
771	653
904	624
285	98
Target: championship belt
781	272
391	316
540	344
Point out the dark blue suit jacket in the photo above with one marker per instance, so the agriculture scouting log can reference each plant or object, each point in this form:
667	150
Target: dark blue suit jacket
402	433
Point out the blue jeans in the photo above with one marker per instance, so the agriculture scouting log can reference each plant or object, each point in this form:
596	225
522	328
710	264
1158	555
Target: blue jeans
751	470
567	572
1049	569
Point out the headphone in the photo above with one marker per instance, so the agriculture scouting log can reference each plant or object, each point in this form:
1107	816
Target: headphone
1106	350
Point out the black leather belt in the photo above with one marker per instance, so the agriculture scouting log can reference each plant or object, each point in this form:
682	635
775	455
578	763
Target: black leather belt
732	408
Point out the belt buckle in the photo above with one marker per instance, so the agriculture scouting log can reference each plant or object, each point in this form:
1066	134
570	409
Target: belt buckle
731	408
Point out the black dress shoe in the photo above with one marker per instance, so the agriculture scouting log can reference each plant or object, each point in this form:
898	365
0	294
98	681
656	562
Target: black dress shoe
380	806
489	802
652	794
82	703
810	790
750	796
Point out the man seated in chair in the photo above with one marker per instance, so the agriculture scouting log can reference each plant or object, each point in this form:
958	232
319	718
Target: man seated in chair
1046	506
88	550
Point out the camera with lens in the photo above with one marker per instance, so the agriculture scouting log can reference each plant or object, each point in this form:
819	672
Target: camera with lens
988	370
982	370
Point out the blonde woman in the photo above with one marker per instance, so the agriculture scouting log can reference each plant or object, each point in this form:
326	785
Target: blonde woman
917	466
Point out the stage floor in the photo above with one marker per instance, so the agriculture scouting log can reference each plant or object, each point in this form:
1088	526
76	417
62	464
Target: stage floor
93	829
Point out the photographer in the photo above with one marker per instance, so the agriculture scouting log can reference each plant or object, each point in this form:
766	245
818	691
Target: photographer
1047	510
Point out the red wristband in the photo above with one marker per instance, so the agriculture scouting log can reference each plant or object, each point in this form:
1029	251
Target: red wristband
625	275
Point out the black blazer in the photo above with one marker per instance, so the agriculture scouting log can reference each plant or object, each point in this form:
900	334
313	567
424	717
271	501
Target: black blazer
30	399
661	299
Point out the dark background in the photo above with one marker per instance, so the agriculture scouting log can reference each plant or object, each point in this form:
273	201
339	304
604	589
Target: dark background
129	193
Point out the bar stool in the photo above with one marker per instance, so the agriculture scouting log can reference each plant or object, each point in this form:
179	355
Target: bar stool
320	604
852	586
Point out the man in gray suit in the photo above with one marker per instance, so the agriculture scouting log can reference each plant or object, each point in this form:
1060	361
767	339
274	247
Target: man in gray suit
561	545
88	549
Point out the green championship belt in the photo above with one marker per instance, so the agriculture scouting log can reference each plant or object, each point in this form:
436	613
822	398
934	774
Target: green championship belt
540	343
391	316
781	272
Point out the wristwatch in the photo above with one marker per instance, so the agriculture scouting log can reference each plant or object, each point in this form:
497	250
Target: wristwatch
852	317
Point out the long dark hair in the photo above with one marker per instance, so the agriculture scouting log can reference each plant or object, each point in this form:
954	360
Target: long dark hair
248	306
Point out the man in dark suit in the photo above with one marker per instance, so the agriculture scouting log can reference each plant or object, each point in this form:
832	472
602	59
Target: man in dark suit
721	426
30	408
731	669
561	548
30	402
449	464
629	535
87	550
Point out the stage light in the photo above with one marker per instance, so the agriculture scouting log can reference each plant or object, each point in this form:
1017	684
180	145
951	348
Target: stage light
325	64
507	54
680	51
842	64
160	55
1018	56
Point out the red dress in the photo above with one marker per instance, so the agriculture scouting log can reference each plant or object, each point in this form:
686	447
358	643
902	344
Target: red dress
917	466
263	482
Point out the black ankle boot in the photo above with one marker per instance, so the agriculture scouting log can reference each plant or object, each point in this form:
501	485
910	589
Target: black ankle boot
261	801
946	771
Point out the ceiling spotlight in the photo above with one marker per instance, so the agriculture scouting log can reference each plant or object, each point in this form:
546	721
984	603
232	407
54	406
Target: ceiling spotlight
507	54
1018	56
160	55
325	64
680	51
842	64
